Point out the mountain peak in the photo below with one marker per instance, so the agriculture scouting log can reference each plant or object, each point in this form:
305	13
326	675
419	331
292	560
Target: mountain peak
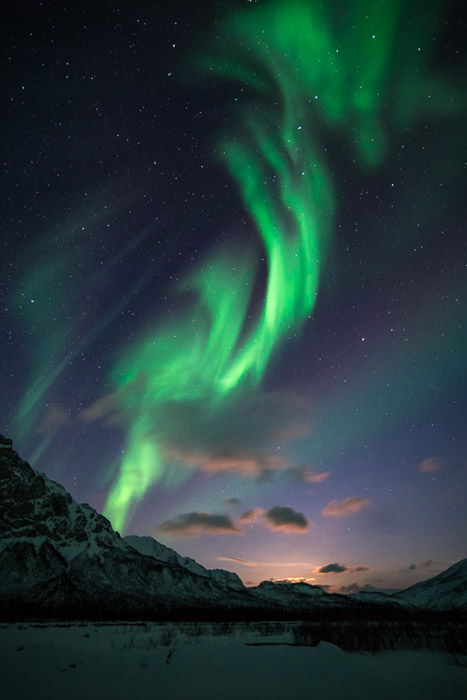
35	508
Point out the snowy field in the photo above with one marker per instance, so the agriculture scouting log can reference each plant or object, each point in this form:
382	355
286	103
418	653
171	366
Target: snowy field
208	660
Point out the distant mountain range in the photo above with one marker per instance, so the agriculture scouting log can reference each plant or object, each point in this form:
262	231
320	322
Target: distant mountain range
61	558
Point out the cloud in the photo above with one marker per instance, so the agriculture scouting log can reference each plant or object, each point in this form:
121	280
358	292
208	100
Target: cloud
275	564
231	501
54	416
285	519
243	562
252	515
413	567
316	477
432	464
231	461
224	439
195	524
340	568
277	518
348	506
295	579
332	569
107	408
308	475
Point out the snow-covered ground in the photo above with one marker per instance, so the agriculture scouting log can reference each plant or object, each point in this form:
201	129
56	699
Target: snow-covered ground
172	661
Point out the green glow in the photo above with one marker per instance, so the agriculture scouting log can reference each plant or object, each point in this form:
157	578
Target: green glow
57	326
306	68
139	468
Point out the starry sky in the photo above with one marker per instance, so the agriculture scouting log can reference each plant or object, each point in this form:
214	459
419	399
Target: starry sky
233	276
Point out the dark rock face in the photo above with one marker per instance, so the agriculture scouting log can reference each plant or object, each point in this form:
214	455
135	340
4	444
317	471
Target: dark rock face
31	505
5	443
22	563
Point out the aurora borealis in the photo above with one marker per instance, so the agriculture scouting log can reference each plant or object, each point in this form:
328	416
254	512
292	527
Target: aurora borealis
235	253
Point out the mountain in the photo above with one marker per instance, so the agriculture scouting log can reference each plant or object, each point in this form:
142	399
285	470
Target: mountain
152	548
446	591
56	554
301	597
375	597
61	558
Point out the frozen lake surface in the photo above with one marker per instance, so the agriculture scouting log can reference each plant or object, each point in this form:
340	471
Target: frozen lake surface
171	661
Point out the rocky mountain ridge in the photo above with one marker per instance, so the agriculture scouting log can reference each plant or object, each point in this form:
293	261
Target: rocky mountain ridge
58	557
55	552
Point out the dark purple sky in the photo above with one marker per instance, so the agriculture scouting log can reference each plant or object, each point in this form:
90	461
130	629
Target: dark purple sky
351	453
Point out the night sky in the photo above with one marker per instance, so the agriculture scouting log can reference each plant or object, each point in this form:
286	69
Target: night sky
233	276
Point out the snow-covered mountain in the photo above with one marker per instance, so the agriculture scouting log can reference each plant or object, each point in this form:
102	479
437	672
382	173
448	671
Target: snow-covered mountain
446	591
152	548
61	557
300	596
56	554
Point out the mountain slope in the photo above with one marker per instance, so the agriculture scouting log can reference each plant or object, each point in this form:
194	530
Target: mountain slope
446	591
152	548
55	553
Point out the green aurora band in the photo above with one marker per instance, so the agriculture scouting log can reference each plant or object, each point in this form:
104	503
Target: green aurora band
58	327
307	69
